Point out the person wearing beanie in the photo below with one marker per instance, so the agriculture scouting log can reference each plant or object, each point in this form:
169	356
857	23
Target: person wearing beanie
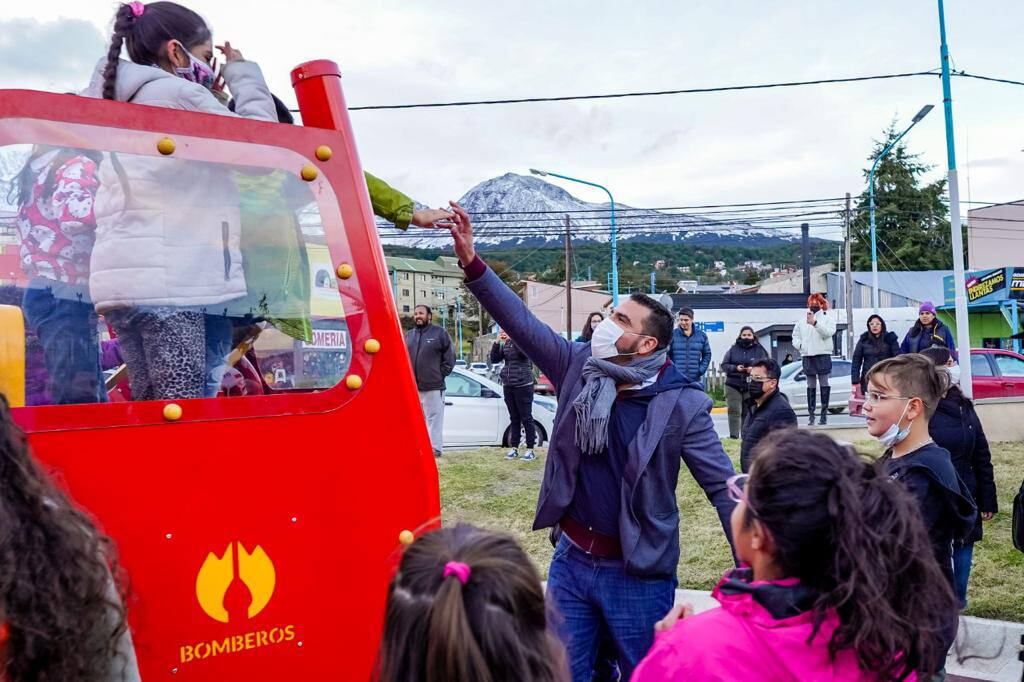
812	337
928	332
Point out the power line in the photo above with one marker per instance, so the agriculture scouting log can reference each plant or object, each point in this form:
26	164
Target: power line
683	91
648	93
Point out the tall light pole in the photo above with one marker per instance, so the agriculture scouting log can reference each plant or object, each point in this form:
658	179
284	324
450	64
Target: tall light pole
871	201
963	331
614	240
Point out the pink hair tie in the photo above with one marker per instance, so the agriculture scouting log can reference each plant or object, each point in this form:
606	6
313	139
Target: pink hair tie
458	569
137	8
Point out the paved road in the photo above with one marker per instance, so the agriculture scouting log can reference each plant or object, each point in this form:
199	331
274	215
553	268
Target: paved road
722	421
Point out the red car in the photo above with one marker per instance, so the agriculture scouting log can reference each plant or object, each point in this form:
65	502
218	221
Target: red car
544	386
996	373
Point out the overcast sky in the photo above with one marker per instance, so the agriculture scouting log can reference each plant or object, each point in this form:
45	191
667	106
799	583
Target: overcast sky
769	145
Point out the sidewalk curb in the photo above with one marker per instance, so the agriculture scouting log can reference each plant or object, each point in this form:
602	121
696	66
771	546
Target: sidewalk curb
719	410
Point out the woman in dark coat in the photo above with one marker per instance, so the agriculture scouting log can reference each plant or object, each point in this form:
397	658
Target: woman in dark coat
875	345
517	385
736	365
928	332
956	427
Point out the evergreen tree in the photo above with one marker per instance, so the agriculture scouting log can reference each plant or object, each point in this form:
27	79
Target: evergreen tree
911	219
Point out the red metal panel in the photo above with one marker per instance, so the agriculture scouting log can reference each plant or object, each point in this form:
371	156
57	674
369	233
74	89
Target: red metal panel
322	483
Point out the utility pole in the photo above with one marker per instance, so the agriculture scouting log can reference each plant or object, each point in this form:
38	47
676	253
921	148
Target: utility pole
963	332
652	283
848	291
568	279
805	243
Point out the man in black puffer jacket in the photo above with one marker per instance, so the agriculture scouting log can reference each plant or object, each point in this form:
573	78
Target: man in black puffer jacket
517	384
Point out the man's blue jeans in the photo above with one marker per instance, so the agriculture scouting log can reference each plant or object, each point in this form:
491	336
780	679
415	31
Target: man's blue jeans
962	559
588	591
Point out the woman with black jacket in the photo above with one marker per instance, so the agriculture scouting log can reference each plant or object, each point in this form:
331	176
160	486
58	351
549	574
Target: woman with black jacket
875	345
736	365
955	426
517	384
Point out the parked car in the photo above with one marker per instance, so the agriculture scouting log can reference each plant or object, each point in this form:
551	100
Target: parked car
475	414
544	386
793	382
995	373
479	368
460	363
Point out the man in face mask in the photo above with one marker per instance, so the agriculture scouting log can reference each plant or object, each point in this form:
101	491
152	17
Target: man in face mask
769	408
626	420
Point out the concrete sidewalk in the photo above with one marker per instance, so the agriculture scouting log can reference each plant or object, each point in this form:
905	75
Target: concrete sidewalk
985	650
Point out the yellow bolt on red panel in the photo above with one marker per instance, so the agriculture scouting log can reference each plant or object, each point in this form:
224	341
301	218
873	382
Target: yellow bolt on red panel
309	172
324	153
406	537
354	381
345	271
372	346
166	146
172	412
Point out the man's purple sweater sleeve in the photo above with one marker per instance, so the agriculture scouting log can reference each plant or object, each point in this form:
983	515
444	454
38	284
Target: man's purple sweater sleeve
540	342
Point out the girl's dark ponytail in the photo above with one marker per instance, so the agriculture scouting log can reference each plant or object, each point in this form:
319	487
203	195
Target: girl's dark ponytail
453	652
842	527
124	20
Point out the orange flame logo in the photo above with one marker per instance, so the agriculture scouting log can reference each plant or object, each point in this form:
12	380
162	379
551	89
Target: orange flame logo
236	585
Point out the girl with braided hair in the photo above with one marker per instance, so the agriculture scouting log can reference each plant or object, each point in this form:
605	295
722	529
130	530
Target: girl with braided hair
167	255
838	579
61	617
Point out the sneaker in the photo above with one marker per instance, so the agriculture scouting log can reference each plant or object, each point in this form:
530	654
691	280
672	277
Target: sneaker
529	456
513	454
437	453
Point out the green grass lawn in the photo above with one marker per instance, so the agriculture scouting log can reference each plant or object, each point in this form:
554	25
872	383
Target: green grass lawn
480	487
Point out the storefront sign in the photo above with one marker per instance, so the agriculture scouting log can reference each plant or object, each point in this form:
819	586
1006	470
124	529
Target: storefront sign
328	339
986	284
710	326
1017	284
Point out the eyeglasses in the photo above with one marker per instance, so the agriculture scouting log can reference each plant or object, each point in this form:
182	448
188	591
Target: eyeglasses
874	397
736	486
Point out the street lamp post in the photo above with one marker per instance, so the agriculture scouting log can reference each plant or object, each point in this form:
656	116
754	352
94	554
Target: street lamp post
871	202
614	235
963	332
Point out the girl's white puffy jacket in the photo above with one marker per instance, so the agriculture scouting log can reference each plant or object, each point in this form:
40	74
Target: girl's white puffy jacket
167	231
815	339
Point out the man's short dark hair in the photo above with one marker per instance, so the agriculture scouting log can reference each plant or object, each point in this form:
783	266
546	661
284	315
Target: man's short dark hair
658	322
771	368
685	311
430	312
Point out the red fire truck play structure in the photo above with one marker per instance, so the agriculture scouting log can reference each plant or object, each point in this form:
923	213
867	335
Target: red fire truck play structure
258	533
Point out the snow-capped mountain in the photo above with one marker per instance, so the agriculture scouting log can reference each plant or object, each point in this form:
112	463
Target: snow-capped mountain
525	211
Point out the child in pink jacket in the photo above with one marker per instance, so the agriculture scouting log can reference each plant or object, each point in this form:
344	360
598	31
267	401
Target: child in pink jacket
838	583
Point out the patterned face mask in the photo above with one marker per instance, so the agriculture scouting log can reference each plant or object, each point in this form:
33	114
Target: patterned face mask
197	71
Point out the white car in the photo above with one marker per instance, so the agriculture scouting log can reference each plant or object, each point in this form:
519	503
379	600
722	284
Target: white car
793	383
475	414
480	368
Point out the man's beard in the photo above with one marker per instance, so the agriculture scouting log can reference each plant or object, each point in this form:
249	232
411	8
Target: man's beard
420	323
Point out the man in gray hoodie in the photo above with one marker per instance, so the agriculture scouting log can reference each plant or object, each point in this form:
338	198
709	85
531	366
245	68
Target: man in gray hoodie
432	358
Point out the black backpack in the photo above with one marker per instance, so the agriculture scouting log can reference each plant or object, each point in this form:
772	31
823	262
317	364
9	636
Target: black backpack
1018	519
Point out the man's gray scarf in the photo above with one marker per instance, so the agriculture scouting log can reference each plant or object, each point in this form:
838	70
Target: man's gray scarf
594	403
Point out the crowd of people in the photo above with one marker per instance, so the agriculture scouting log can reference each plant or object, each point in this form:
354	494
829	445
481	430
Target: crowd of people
848	568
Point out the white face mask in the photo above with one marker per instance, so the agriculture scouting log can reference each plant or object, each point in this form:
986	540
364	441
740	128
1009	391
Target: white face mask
893	434
606	334
954	374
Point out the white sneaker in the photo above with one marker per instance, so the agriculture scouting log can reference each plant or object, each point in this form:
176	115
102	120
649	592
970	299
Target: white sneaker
529	456
513	454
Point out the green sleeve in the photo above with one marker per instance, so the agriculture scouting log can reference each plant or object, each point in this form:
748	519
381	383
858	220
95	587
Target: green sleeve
388	202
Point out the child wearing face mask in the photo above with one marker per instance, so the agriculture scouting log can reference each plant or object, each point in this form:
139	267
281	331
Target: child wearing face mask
167	256
903	393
